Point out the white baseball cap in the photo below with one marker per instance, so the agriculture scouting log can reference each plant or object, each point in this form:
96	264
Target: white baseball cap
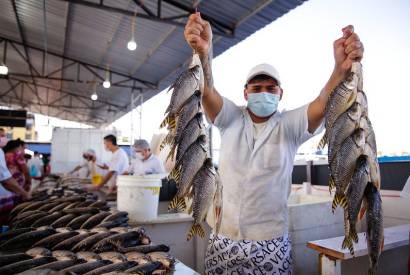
265	69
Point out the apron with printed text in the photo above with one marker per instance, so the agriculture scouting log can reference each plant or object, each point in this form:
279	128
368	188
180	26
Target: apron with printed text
230	257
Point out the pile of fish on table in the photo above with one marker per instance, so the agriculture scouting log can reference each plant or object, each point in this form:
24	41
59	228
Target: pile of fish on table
95	251
354	170
63	231
194	173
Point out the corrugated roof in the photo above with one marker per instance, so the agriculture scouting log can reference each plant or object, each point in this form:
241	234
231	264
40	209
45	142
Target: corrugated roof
92	36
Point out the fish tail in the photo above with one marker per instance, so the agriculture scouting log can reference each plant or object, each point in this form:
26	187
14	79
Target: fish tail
177	205
339	199
322	142
336	201
347	243
196	229
353	234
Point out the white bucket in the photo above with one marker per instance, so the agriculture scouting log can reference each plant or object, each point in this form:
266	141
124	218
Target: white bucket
139	196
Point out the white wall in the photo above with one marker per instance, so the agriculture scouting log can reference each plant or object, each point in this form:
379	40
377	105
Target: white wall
68	144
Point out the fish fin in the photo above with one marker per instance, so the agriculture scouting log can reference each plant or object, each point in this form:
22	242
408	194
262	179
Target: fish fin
169	139
363	210
331	184
171	152
168	120
177	204
352	99
196	229
339	199
190	194
382	246
347	243
322	142
175	175
190	209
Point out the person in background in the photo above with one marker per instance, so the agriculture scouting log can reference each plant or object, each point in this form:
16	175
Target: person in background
35	166
16	163
25	170
10	190
90	165
3	138
117	166
146	162
46	165
83	170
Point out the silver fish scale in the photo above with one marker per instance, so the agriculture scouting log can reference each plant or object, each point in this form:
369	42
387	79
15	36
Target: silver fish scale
191	163
204	190
337	104
370	136
188	112
193	130
356	189
183	88
343	165
343	127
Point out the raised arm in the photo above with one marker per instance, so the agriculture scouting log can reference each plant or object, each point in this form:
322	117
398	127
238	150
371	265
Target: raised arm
198	34
347	50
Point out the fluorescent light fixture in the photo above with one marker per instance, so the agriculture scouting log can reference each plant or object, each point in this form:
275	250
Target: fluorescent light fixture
3	69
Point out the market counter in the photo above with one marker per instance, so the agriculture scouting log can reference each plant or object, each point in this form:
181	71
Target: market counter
171	229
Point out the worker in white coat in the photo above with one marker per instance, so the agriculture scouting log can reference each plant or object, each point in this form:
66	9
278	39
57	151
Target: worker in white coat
118	164
146	162
258	147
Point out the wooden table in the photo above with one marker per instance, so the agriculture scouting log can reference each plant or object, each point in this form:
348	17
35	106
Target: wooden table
331	253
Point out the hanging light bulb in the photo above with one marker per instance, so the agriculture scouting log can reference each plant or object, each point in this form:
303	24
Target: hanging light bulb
132	45
94	96
107	83
4	70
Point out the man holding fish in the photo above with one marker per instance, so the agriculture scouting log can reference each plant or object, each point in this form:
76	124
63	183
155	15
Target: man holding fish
258	148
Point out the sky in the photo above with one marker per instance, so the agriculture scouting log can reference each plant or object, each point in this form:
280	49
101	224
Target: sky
299	45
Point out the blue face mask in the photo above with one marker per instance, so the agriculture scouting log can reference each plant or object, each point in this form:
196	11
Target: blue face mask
263	104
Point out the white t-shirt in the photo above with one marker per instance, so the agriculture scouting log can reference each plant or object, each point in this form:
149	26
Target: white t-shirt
4	175
262	167
257	130
37	163
4	171
119	163
152	165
